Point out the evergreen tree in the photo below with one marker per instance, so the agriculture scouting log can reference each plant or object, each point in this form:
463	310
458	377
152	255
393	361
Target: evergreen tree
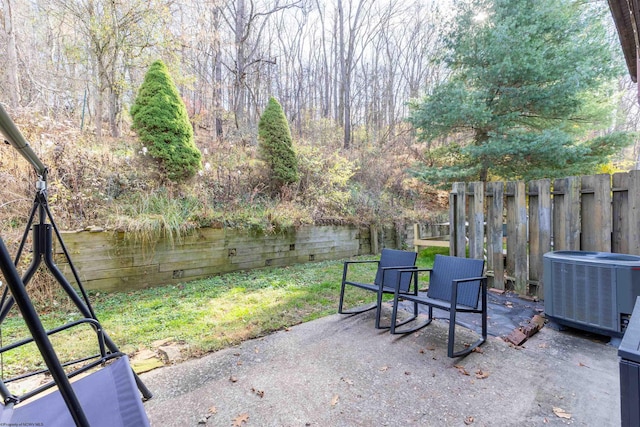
276	146
160	118
529	93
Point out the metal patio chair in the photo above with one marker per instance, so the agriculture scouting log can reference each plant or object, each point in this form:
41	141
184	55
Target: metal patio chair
452	279
388	278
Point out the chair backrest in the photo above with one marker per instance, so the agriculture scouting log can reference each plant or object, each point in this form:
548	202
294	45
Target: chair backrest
449	268
395	258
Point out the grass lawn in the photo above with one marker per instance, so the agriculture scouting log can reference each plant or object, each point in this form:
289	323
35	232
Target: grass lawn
206	315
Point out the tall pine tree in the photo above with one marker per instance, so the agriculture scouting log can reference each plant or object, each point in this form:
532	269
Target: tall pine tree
529	93
276	145
160	118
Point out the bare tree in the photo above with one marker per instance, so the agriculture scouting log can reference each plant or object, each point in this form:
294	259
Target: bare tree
116	31
11	65
247	23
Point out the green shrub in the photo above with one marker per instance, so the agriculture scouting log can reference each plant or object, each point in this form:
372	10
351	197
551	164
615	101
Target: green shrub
276	147
160	118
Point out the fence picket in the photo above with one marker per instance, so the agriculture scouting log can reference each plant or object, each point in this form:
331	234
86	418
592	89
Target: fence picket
539	232
475	195
495	259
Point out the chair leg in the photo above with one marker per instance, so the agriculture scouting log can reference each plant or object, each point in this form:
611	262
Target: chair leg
452	333
341	298
379	311
394	324
394	317
341	309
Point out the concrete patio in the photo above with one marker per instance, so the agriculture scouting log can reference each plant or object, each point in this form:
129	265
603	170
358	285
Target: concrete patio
340	371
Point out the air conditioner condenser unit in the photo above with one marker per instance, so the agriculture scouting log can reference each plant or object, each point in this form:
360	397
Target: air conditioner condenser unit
592	291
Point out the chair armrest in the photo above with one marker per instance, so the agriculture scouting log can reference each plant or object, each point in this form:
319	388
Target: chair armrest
405	267
348	263
362	262
469	279
456	282
411	270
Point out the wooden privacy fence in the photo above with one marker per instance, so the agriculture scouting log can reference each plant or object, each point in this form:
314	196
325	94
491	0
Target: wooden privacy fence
513	224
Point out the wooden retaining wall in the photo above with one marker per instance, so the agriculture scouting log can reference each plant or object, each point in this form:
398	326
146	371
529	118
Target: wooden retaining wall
107	261
522	222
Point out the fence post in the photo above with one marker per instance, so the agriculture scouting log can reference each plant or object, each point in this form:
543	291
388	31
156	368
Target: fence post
495	262
620	238
634	212
375	245
566	214
539	232
457	220
517	236
476	220
596	221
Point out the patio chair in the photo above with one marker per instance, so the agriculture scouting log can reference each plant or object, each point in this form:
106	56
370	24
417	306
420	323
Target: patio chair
455	285
387	280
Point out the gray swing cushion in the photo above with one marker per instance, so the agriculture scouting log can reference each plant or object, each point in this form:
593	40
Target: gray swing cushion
109	398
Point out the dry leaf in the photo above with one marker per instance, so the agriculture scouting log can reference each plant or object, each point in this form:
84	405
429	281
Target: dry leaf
422	351
233	379
461	369
561	413
213	410
477	350
480	374
384	369
240	419
257	350
407	373
469	420
335	399
347	380
239	363
582	365
258	392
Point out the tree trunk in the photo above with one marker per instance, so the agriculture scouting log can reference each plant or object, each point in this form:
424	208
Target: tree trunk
11	65
481	138
342	95
238	83
217	72
114	113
